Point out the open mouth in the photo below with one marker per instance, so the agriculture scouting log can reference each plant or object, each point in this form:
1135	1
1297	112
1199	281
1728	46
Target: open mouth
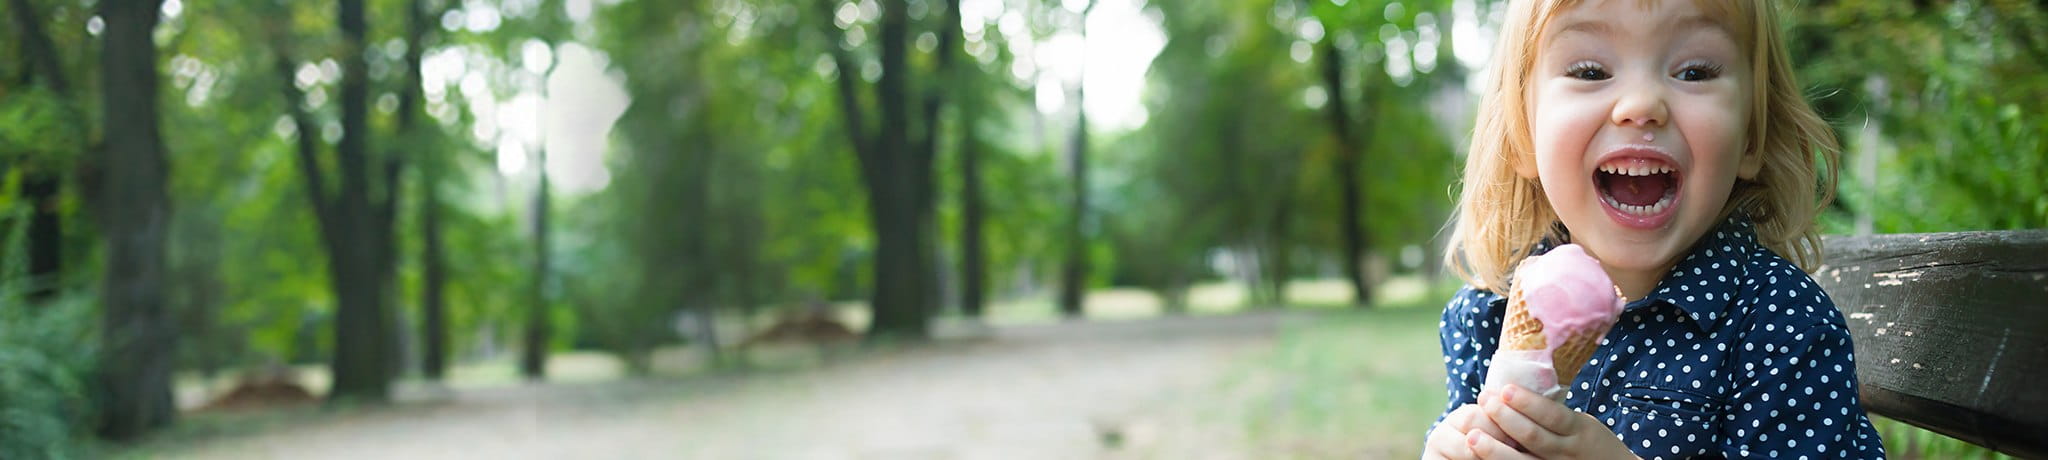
1637	191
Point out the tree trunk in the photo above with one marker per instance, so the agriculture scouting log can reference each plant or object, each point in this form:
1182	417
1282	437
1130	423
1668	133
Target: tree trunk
896	170
533	358
434	327
902	298
899	299
135	367
360	337
435	274
45	232
1348	188
973	265
1074	272
959	84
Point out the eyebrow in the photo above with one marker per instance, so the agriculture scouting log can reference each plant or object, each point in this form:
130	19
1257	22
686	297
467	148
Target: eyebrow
1602	27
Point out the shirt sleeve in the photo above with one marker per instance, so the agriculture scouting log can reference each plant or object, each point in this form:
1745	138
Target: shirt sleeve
1796	396
1464	364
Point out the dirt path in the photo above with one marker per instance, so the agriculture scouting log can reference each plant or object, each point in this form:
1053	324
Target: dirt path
1081	390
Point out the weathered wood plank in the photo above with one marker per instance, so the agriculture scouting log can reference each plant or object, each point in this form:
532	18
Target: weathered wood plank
1951	331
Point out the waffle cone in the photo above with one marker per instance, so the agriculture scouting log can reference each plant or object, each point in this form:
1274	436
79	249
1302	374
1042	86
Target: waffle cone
1572	356
1521	331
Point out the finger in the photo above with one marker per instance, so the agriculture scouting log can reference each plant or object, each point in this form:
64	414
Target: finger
1515	425
1488	448
1475	419
1549	414
1460	418
1448	444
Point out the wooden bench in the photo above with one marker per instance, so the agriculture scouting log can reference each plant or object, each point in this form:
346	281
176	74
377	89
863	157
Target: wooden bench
1951	331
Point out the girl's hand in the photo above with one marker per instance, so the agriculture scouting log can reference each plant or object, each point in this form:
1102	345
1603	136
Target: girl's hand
1462	434
1548	429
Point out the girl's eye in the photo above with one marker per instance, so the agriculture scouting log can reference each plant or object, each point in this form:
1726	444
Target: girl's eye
1698	72
1587	70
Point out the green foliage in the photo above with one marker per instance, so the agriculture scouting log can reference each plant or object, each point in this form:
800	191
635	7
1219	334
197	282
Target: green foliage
1943	141
38	126
1241	155
47	353
1907	441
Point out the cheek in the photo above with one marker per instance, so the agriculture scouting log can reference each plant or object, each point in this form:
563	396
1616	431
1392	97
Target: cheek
1561	127
1715	130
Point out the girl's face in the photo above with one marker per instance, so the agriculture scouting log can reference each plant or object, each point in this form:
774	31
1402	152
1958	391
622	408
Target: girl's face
1638	114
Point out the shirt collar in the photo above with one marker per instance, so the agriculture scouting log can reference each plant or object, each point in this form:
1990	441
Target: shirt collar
1705	282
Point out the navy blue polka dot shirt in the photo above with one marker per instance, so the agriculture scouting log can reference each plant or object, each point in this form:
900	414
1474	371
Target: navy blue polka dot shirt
1735	353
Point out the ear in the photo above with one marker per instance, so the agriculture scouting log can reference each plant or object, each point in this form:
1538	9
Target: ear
1752	163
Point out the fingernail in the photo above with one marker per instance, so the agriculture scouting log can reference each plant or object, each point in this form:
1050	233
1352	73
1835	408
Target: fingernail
1507	394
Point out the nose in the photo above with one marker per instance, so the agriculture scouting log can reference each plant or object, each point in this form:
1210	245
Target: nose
1641	105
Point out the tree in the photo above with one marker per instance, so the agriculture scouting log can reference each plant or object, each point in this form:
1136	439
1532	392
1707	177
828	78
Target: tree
434	327
1347	164
533	357
896	169
433	263
1074	271
973	256
135	376
355	219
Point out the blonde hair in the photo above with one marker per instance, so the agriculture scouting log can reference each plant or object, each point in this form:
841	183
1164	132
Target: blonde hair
1501	215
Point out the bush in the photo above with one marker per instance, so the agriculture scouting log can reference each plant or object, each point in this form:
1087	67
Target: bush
46	360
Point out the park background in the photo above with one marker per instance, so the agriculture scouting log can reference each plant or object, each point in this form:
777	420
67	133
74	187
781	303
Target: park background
820	228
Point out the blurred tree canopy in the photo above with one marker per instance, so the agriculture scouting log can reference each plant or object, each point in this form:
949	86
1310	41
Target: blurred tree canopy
1934	101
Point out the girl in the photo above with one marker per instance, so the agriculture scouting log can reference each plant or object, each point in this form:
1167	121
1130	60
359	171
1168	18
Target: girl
1670	140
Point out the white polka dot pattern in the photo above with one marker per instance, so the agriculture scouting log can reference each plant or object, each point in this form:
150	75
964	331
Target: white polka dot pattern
1736	353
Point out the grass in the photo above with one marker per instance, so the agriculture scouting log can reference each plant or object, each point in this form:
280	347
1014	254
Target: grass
1345	384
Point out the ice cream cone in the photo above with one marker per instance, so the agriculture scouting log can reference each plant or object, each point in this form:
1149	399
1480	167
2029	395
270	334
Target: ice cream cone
1559	308
1522	331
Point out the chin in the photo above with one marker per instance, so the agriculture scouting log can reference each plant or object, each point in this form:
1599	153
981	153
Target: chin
1628	248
